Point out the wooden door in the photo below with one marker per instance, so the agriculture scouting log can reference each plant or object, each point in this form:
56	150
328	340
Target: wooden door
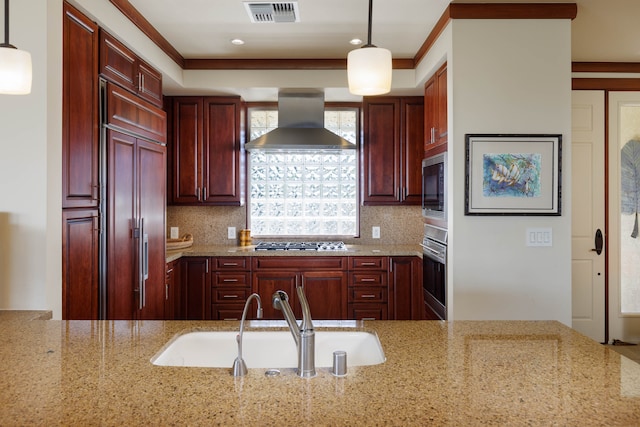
327	294
150	83
381	151
442	130
80	264
221	136
266	283
405	284
122	273
80	126
187	149
587	201
150	169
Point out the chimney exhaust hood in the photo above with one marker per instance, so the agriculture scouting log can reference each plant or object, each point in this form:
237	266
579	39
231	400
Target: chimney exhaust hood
300	125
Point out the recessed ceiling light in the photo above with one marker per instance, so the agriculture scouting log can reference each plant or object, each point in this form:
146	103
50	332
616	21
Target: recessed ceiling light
355	42
237	42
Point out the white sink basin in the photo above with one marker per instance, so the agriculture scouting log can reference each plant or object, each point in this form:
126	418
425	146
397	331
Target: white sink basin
267	349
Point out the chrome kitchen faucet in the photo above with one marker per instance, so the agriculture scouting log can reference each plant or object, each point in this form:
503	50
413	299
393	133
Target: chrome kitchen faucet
303	335
239	367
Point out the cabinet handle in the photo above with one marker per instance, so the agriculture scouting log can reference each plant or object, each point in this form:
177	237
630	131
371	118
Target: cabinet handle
367	296
230	318
433	135
204	193
166	292
230	296
230	280
230	264
169	270
367	279
368	318
206	265
142	83
368	263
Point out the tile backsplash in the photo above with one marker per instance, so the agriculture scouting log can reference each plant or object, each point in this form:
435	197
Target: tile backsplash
399	225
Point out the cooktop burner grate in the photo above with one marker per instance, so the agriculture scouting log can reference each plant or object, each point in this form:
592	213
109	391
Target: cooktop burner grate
301	246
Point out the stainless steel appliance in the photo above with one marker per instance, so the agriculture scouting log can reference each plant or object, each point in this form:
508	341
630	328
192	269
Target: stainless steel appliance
434	273
434	187
301	246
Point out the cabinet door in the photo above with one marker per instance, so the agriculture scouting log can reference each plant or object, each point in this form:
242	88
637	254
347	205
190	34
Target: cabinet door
435	119
172	291
441	110
381	151
405	277
266	283
117	63
80	132
412	149
326	292
187	150
151	197
222	151
122	248
196	289
149	84
80	264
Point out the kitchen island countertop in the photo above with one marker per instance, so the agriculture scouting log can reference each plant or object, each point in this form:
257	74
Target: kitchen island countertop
436	373
352	250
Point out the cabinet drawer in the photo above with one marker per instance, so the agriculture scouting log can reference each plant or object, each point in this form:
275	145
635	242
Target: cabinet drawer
374	278
231	263
227	312
368	263
368	311
372	294
241	279
300	263
229	295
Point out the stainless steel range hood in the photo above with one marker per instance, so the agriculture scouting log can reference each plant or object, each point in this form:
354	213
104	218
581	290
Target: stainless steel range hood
300	125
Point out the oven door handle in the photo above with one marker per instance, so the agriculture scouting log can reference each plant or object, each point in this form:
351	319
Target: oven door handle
433	251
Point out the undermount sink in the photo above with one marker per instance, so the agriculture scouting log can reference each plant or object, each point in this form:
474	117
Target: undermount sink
266	349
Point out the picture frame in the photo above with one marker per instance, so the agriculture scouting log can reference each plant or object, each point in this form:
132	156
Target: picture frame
513	174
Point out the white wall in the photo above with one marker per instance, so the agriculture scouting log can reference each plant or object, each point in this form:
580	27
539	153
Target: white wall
509	77
30	168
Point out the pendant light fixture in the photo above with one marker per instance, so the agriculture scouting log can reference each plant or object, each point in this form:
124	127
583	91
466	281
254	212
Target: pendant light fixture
369	67
15	64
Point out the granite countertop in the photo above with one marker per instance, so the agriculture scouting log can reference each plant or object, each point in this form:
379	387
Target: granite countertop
352	250
436	373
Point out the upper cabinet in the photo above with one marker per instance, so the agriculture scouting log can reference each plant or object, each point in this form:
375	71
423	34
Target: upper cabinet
435	119
120	65
392	150
206	153
80	133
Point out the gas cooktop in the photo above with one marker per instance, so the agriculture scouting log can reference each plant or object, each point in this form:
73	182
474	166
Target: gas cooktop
301	246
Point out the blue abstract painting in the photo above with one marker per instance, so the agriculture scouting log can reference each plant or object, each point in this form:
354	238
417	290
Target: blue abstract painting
511	174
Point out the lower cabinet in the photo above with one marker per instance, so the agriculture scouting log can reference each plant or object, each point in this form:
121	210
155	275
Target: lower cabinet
324	280
368	288
172	291
195	295
230	287
336	287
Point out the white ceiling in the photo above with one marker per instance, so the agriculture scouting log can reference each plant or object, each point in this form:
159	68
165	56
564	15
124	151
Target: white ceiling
204	28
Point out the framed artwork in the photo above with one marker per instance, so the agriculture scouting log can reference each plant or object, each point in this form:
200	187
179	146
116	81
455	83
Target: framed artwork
513	174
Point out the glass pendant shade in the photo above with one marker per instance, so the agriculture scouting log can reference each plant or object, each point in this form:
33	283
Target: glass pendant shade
369	71
15	71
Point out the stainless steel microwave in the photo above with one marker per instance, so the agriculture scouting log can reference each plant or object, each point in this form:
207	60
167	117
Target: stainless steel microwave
434	187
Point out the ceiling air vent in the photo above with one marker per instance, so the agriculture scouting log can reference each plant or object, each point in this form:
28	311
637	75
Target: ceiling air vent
274	12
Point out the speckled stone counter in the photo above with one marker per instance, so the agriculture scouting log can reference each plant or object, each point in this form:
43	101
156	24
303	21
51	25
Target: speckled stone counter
352	250
436	373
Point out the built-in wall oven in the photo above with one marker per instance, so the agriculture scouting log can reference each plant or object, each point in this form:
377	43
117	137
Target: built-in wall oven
434	263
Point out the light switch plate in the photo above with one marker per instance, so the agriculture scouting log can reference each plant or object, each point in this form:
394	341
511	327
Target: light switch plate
175	234
375	232
231	232
539	236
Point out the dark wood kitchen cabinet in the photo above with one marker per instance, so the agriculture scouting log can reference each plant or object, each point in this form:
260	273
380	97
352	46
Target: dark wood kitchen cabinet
392	150
172	291
324	280
368	288
230	287
80	126
120	65
195	282
206	151
435	113
80	264
405	284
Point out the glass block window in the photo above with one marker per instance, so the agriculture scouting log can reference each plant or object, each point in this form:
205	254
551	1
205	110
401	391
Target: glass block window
303	193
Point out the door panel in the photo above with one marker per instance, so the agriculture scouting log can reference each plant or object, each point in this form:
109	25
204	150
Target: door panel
588	268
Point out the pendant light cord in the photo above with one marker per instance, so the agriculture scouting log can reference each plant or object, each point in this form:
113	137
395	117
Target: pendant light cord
370	19
6	25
